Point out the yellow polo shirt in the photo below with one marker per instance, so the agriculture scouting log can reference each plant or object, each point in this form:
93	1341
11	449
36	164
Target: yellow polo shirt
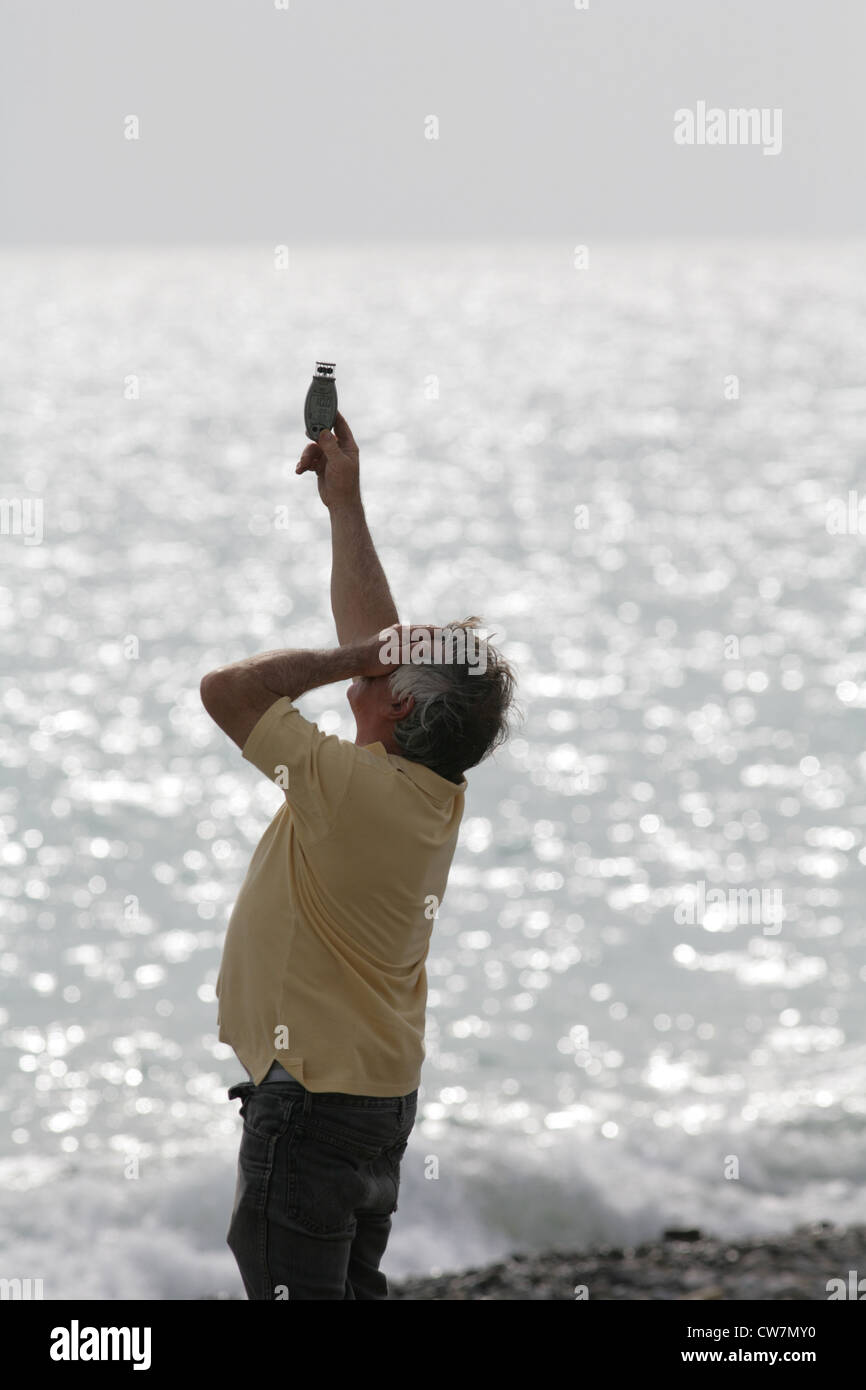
323	962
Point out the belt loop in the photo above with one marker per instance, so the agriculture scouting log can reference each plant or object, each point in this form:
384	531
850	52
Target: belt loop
401	1114
308	1101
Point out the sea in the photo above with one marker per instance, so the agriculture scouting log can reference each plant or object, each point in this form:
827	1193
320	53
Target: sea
640	464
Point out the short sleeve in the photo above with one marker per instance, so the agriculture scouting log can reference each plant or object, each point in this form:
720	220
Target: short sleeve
312	769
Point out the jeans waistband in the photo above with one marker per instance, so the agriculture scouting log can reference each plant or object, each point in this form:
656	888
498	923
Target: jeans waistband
278	1074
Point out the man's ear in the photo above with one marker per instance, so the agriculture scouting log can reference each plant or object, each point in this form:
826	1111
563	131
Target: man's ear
398	709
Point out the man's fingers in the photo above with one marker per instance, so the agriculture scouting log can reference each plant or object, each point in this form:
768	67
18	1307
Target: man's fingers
338	440
311	459
328	444
345	437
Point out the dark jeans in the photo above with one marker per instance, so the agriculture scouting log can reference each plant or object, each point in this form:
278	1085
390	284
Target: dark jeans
318	1178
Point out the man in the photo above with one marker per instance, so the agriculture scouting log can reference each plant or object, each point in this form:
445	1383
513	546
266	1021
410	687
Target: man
322	988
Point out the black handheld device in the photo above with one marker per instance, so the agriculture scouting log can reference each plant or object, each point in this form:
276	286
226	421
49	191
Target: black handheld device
320	407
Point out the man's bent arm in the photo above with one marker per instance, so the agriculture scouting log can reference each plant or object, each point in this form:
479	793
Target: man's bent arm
237	696
360	597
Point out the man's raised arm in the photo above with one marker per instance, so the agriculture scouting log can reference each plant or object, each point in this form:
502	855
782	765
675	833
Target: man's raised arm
360	598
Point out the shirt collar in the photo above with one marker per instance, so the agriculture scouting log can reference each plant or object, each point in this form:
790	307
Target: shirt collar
424	777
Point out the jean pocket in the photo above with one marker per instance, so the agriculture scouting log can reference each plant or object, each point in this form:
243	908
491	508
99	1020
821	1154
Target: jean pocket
326	1179
266	1115
336	1165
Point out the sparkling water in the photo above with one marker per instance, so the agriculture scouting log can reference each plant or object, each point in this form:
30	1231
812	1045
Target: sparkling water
646	978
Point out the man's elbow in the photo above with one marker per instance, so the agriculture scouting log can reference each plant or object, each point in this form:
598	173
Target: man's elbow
215	691
235	699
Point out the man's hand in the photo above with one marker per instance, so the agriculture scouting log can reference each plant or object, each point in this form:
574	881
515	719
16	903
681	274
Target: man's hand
373	653
403	644
334	460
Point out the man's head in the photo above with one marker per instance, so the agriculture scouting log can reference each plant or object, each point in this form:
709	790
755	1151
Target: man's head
448	713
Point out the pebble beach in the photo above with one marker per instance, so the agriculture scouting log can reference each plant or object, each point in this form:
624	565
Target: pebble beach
684	1264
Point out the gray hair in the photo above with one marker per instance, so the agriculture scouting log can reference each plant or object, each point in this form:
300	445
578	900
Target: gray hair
461	706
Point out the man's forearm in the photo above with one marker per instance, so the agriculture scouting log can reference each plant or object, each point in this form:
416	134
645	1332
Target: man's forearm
237	696
294	672
360	598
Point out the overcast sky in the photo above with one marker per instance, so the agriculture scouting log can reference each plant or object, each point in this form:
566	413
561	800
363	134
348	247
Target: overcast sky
309	122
